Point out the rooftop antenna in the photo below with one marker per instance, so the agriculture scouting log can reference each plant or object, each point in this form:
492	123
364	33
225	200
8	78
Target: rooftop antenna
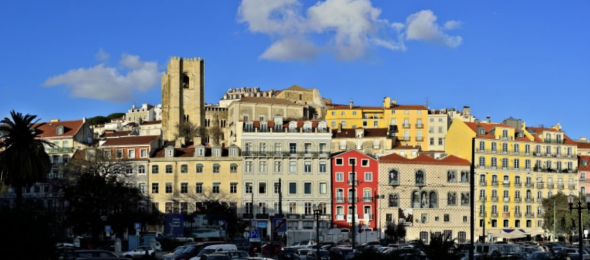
427	102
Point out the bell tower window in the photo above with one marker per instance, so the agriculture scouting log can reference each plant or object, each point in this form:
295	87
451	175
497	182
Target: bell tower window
185	81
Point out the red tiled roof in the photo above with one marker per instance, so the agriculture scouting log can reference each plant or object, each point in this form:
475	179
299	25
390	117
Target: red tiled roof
541	129
583	145
187	152
111	133
152	122
368	132
49	129
410	107
425	159
400	147
488	127
130	140
581	166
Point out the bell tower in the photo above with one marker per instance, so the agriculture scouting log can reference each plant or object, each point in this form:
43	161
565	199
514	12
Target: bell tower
183	95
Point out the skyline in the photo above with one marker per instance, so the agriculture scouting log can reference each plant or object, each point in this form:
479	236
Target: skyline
501	60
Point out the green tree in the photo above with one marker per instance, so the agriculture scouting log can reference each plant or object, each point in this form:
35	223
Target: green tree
115	116
401	231
24	160
564	219
98	120
391	231
440	247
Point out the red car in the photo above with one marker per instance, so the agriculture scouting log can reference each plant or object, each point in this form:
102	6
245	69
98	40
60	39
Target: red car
266	249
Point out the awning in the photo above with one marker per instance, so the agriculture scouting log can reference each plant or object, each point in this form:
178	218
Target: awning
199	165
216	165
233	165
513	233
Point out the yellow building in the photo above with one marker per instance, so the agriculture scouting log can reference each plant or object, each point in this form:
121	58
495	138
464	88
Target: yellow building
408	122
516	167
181	178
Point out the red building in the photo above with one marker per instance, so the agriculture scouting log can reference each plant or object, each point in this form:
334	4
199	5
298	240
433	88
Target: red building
366	184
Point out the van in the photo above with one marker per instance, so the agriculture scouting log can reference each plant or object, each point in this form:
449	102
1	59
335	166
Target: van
215	248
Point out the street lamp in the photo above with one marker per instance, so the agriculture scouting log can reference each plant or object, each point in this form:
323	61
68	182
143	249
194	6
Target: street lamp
317	211
570	200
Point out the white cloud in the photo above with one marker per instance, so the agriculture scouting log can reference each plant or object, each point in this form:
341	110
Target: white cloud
109	84
351	26
101	55
422	26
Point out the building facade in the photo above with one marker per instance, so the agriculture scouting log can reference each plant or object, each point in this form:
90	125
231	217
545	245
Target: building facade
288	157
516	167
583	174
144	113
438	124
426	195
365	193
369	141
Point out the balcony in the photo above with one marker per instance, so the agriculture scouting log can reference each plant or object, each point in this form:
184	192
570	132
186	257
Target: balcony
482	214
540	185
350	199
560	186
494	183
571	186
340	217
405	138
60	150
262	216
355	182
494	214
482	183
517	184
517	214
367	199
539	200
506	184
419	126
517	199
394	182
482	198
529	185
406	126
529	215
529	200
539	215
506	199
549	185
560	141
293	216
494	198
339	200
419	138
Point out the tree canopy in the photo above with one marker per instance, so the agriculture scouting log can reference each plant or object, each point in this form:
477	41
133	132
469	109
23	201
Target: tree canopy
565	220
104	119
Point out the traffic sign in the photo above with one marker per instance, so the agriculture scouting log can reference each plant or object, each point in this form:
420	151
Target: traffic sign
254	236
279	224
261	224
246	234
254	223
107	229
137	226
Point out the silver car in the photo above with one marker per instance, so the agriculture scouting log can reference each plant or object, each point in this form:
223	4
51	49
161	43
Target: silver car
174	253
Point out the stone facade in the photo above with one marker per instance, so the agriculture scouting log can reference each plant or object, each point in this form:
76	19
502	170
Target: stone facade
183	94
426	194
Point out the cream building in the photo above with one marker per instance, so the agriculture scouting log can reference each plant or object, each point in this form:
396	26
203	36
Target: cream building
144	113
183	94
370	141
298	154
426	195
438	124
180	179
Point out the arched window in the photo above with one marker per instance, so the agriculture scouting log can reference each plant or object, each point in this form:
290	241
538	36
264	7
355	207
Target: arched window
504	162
482	179
420	178
433	200
494	148
482	161
185	81
517	179
393	177
548	150
482	145
494	162
528	194
415	199
482	194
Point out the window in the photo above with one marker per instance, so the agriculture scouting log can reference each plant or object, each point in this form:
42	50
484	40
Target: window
262	188
216	188
184	188
323	188
494	147
143	153
233	168
452	198
248	166
292	166
440	141
351	161
131	154
516	163
262	208
233	187
184	168
431	140
368	176
446	218
482	145
168	168
339	176
292	148
141	169
277	166
307	167
464	199
248	207
307	188
119	154
333	113
154	169
308	208
339	161
293	208
393	201
199	188
504	147
419	178
451	176
527	164
262	166
482	161
292	188
199	168
155	188
322	167
168	187
216	168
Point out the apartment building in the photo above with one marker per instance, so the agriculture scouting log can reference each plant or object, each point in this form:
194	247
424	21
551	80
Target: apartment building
516	167
364	194
144	113
438	124
288	157
584	174
367	140
426	195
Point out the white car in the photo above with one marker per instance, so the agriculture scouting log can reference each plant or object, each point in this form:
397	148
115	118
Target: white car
139	252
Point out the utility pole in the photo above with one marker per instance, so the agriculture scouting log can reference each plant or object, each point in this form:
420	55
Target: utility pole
353	208
280	199
553	220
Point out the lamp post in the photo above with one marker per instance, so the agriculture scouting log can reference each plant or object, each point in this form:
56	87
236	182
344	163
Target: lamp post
570	200
317	211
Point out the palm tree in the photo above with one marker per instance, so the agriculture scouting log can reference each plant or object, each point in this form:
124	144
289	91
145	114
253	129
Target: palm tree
24	160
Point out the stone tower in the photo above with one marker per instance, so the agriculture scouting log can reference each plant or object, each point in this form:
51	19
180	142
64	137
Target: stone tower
183	94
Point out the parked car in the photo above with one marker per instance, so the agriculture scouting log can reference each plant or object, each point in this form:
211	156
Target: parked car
311	255
174	253
286	253
539	255
241	243
214	249
339	252
303	243
576	251
235	255
206	233
300	254
193	249
276	248
75	254
215	257
139	252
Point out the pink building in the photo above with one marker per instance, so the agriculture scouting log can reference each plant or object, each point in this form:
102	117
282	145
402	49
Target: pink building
584	173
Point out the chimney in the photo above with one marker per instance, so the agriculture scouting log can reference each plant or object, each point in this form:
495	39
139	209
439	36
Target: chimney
466	110
386	102
54	120
489	120
350	103
339	127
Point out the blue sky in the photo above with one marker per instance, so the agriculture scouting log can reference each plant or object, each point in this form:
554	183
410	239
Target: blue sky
529	60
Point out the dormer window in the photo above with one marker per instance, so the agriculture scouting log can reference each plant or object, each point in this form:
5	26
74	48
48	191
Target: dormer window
216	151
293	126
200	151
548	138
169	151
307	127
584	162
249	127
481	131
233	151
322	127
263	127
59	130
558	139
505	133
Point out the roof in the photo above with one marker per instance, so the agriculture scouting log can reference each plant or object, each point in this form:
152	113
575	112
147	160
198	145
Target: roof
298	88
368	132
115	133
541	129
410	107
187	152
130	140
581	167
152	122
538	130
271	124
49	129
583	145
424	159
487	126
341	107
334	155
265	100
